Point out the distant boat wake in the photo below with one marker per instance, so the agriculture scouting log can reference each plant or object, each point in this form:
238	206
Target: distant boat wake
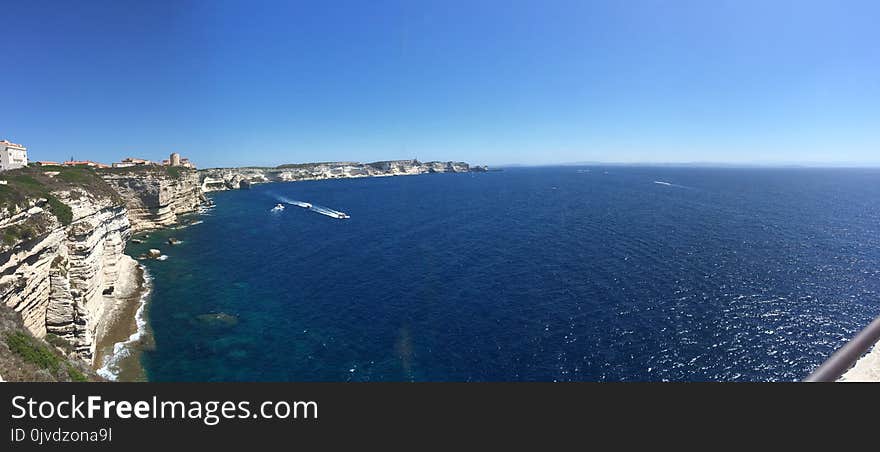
314	208
328	212
669	184
304	205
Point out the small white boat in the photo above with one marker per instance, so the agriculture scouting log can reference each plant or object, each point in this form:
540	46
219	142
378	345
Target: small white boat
278	208
342	215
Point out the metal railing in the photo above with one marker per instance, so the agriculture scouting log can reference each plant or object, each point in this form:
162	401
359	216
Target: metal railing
843	359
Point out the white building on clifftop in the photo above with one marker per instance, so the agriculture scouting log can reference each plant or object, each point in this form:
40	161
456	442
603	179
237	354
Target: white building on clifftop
12	155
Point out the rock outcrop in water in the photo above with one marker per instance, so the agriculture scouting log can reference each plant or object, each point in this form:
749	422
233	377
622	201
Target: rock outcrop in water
234	178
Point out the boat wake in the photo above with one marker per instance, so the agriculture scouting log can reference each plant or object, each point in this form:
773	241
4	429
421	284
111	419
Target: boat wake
280	198
669	184
293	202
307	205
329	212
302	204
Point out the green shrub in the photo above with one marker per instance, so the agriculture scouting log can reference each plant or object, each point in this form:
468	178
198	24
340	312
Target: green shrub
30	183
59	342
17	233
62	211
75	375
32	351
26	181
173	172
75	175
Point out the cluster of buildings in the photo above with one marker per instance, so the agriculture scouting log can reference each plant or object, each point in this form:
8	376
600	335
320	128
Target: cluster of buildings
173	160
14	156
72	163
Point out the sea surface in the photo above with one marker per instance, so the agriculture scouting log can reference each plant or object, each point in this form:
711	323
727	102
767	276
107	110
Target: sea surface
548	274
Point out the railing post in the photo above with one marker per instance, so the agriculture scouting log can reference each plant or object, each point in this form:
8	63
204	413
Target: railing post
844	358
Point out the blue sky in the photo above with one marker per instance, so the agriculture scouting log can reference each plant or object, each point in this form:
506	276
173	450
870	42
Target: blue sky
494	82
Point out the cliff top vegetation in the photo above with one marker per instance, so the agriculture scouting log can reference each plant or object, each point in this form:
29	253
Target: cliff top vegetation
23	357
35	182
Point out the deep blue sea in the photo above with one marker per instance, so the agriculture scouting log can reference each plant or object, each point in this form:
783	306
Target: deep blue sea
550	274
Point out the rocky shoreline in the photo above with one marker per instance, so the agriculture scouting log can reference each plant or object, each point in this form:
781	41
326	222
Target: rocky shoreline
64	234
122	335
64	230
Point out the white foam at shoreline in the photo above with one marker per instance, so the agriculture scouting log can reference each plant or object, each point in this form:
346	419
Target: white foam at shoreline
110	365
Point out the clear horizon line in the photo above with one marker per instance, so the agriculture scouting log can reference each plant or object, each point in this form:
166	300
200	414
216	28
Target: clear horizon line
704	164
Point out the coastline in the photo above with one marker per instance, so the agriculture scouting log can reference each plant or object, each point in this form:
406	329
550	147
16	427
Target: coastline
122	334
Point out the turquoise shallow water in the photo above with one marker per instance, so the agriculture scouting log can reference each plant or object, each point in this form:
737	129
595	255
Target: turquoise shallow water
527	274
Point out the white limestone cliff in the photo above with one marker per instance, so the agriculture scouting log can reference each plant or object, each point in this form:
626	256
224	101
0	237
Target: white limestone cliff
155	197
216	179
55	277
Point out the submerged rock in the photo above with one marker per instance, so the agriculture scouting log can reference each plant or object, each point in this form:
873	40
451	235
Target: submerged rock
173	241
238	354
154	253
218	319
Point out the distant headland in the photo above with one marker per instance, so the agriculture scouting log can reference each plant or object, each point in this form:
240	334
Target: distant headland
66	284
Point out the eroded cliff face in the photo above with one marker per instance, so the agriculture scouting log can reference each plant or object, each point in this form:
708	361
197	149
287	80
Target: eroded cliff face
234	178
55	275
32	238
63	234
63	231
155	197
